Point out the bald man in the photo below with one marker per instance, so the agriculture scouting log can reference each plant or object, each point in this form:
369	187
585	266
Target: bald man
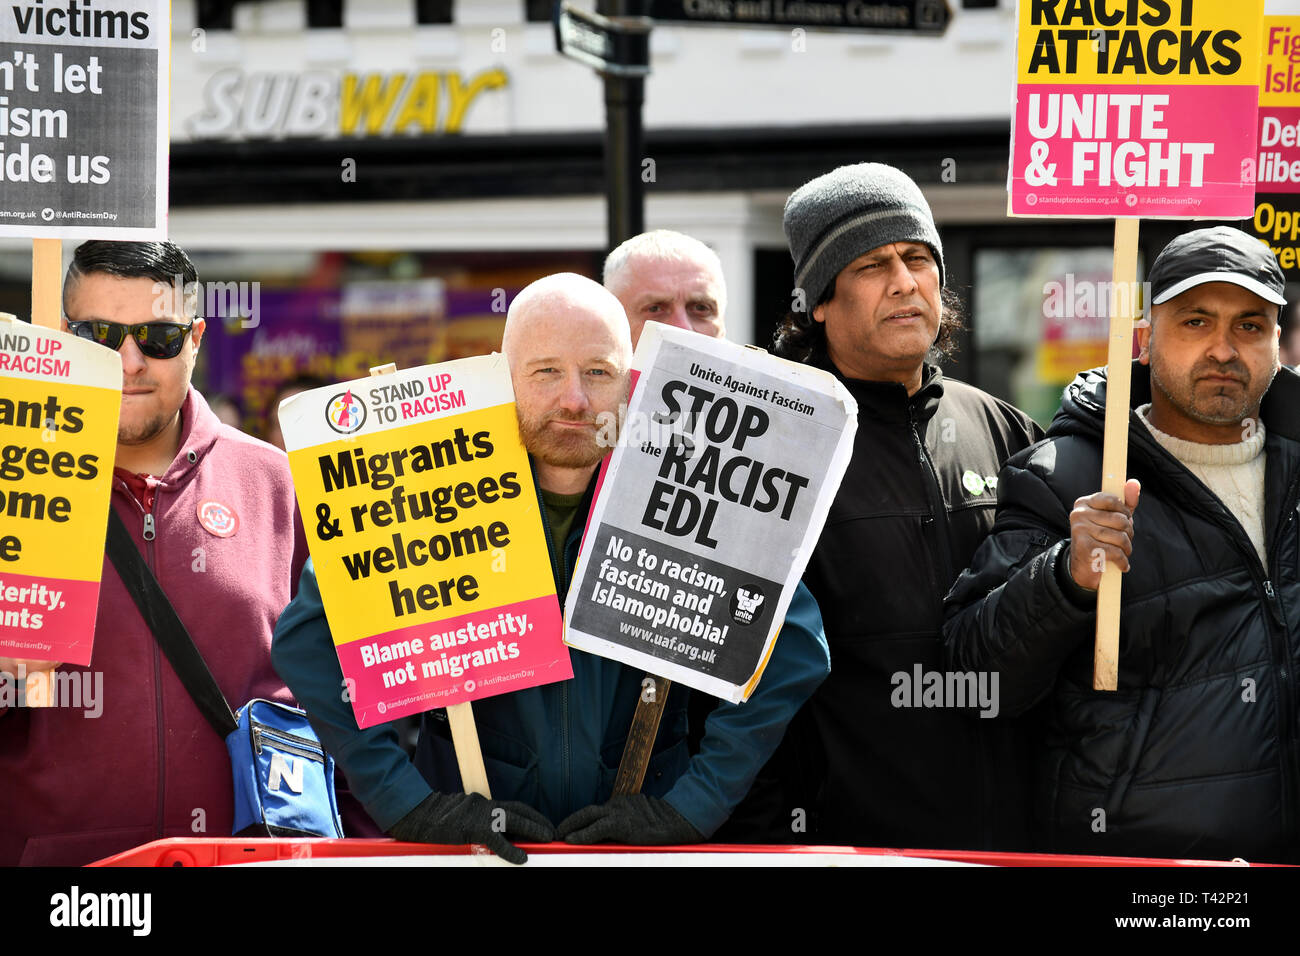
566	339
550	751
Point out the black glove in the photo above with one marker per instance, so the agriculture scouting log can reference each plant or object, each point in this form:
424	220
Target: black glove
634	819
459	818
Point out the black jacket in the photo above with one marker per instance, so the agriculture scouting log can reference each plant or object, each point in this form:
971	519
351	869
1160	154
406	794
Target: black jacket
918	498
1195	754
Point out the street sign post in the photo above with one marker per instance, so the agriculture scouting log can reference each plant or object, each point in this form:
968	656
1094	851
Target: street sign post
617	46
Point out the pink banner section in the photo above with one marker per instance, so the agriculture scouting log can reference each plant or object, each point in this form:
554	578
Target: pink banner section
47	619
1277	167
1148	151
494	651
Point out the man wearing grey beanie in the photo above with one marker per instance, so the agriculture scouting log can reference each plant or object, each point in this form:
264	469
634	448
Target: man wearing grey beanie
891	751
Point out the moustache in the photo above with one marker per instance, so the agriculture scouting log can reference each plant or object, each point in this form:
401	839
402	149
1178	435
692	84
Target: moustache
1234	369
571	417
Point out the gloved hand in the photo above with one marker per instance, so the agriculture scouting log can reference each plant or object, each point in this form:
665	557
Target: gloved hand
459	818
634	819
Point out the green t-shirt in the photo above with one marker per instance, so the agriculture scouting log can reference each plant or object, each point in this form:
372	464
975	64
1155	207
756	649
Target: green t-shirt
560	512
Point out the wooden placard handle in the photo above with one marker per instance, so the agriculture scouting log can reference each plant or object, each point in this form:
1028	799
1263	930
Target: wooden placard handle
641	735
469	755
47	311
47	282
1114	458
464	735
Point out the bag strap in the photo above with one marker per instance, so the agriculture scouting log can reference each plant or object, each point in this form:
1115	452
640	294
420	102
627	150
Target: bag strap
168	631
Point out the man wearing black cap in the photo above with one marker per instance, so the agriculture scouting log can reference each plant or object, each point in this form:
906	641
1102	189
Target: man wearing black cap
875	758
1195	754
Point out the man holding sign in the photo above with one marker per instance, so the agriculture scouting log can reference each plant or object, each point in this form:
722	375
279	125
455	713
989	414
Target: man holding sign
226	558
550	750
674	279
1192	757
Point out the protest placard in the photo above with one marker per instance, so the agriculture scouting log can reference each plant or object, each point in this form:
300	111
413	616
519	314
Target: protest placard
1144	108
725	469
426	536
83	119
1277	198
59	402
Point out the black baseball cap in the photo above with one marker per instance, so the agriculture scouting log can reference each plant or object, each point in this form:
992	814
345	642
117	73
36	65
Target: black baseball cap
1219	254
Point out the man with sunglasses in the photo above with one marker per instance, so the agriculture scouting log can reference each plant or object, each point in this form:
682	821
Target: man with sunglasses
212	511
164	327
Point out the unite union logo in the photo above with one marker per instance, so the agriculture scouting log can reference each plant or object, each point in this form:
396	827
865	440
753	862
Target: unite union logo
344	413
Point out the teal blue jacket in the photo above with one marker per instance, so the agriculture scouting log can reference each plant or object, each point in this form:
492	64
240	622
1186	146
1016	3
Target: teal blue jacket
556	747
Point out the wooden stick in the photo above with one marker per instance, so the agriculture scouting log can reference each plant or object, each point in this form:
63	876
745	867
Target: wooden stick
641	735
47	311
464	734
469	755
1114	459
47	282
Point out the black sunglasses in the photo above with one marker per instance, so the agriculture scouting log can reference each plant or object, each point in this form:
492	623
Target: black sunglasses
158	340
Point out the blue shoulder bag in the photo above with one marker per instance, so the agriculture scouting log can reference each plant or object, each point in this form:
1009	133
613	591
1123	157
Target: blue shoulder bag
284	779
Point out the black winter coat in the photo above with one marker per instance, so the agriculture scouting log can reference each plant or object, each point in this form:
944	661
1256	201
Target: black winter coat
918	498
1195	754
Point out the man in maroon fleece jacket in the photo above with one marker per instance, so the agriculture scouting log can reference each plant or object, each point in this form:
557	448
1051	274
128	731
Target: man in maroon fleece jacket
212	511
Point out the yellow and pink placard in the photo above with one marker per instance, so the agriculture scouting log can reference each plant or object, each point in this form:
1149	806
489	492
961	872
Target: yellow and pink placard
1136	108
1277	198
1279	107
59	402
426	536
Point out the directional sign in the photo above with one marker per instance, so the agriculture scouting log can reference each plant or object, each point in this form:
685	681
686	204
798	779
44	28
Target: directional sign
890	16
620	47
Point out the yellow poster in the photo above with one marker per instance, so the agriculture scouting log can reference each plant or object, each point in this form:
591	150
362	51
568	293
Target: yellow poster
59	401
427	537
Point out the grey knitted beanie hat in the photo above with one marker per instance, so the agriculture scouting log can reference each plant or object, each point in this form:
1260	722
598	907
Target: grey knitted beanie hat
831	220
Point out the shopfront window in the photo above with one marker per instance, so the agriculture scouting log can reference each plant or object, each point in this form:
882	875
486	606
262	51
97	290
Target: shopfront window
301	317
1040	317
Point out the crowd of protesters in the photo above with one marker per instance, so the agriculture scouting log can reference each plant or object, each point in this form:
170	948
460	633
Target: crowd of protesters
962	540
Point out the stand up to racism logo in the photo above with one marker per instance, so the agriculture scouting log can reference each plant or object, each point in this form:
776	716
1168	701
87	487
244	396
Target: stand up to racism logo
345	413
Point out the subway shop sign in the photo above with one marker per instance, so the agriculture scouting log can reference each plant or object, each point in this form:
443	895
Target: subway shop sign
238	105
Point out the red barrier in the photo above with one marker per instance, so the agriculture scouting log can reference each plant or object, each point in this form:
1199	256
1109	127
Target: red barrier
224	852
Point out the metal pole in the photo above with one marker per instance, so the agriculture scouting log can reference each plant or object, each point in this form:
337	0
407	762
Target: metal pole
624	144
